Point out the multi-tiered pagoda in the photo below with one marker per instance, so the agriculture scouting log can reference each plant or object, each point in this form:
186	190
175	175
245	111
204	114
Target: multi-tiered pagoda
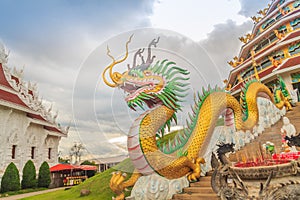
272	49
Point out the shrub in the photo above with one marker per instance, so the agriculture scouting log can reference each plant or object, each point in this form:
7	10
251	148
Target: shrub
44	175
29	176
11	179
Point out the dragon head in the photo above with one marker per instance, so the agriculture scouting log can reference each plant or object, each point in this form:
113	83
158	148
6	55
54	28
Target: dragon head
147	83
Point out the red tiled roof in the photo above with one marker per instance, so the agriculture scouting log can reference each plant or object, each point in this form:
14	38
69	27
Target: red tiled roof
61	167
266	72
15	99
290	63
3	80
39	117
64	167
51	128
34	116
16	79
292	35
10	97
231	75
236	87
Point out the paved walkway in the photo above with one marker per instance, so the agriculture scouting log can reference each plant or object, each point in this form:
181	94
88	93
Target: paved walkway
21	196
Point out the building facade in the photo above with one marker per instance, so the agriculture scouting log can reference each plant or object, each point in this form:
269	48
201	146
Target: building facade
28	131
272	49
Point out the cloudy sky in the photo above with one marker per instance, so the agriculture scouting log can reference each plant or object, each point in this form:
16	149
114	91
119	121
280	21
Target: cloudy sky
62	44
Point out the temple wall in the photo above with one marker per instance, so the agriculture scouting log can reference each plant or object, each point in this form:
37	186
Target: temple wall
17	129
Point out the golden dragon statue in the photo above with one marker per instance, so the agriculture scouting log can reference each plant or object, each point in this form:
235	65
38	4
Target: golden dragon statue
161	86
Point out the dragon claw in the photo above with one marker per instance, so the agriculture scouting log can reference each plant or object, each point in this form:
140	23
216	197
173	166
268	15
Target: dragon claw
116	184
196	170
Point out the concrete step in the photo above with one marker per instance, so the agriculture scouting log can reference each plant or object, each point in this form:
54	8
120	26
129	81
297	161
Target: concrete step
198	190
201	184
196	196
202	190
205	178
272	134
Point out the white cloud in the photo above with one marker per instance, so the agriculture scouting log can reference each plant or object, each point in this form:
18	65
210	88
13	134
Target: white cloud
194	18
251	7
222	44
63	51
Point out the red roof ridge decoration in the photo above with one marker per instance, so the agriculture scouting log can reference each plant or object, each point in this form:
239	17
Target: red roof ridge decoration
21	95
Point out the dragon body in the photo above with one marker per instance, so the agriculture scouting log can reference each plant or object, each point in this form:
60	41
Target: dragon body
161	87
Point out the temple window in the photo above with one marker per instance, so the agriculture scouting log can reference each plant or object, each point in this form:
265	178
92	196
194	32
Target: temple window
264	43
258	68
278	55
248	73
296	23
287	9
49	153
272	37
236	82
295	77
278	16
257	32
294	49
248	55
268	23
32	152
296	4
13	151
266	63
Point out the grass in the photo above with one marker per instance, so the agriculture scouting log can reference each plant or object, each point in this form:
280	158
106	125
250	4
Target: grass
220	122
98	185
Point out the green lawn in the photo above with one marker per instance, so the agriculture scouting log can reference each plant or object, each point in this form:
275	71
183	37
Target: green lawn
98	185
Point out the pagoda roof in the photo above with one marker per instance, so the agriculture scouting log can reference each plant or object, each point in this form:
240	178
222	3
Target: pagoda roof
272	12
3	80
288	39
271	71
291	36
12	98
289	63
14	94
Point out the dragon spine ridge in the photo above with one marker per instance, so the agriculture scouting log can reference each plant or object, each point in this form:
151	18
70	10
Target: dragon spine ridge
178	142
161	87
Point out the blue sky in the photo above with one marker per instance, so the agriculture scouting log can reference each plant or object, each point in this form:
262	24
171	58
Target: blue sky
54	38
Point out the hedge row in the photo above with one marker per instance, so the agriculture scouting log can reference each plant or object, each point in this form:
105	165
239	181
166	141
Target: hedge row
11	179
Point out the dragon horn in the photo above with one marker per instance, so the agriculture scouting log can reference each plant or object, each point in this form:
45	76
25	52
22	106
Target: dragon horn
115	76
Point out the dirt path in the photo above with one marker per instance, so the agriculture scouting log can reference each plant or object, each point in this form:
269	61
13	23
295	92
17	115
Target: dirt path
21	196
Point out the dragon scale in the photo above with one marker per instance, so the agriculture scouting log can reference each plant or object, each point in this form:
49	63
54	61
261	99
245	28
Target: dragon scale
171	167
161	87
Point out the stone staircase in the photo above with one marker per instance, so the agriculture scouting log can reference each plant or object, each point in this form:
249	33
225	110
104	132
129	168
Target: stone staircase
203	190
198	190
271	134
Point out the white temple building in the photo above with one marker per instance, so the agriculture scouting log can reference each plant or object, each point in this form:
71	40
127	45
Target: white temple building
28	130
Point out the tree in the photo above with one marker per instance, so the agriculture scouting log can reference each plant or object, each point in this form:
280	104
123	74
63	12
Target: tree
29	176
44	175
76	151
89	173
11	179
86	162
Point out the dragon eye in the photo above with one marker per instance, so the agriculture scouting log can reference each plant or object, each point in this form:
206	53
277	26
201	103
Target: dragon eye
147	73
